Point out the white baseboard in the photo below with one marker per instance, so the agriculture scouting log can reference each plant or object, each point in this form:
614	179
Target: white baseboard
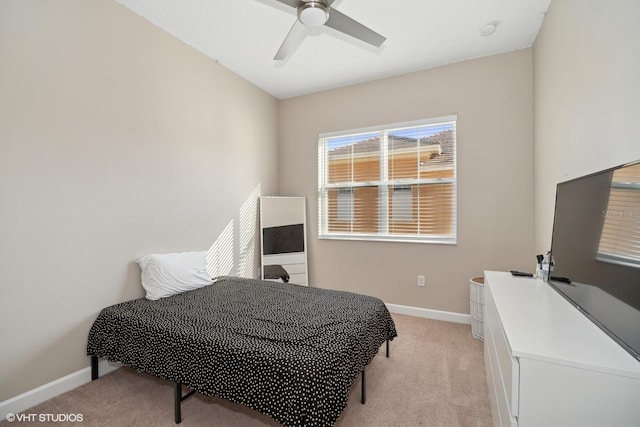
448	316
47	391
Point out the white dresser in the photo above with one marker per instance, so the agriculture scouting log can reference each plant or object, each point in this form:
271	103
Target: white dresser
294	263
548	365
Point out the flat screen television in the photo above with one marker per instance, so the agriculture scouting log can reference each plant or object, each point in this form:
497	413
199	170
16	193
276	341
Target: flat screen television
283	239
596	244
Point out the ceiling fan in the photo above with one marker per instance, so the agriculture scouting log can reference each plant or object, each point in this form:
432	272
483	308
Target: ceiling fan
317	14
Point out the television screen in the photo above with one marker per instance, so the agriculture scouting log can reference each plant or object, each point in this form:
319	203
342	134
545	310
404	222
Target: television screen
596	244
283	239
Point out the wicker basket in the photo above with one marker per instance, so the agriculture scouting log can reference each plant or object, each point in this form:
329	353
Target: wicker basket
476	293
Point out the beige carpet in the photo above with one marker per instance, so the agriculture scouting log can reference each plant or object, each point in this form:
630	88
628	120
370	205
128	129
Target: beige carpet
434	377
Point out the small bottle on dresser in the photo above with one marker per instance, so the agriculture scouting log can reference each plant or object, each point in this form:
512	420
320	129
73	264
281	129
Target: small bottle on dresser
547	266
538	274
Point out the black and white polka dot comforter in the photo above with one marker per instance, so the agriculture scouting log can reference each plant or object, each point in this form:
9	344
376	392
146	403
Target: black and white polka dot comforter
288	351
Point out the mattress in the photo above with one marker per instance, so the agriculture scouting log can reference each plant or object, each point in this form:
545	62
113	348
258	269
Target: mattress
287	351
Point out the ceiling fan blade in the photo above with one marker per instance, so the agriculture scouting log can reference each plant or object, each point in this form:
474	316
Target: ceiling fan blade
292	3
341	22
296	3
293	39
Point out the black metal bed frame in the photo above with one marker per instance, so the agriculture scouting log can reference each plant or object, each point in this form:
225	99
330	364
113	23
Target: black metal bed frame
178	397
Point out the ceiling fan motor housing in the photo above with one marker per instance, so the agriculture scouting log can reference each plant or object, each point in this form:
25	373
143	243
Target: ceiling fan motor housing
313	13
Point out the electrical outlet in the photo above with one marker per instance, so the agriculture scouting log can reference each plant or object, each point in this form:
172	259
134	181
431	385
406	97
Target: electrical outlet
420	280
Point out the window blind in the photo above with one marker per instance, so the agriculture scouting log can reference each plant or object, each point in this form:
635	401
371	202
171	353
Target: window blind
394	182
620	239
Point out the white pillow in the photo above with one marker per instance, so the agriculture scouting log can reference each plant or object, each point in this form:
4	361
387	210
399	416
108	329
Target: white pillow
164	275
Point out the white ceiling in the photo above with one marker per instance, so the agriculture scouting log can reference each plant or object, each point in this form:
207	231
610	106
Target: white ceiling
244	35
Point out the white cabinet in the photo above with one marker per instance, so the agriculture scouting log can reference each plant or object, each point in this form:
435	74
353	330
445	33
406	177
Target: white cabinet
502	369
548	365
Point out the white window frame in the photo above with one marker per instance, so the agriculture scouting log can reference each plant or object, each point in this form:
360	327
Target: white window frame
384	184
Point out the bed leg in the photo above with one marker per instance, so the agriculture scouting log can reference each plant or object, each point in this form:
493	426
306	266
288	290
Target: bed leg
387	347
363	392
94	368
178	397
177	400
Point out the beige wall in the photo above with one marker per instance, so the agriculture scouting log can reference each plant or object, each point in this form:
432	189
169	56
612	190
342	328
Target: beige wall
492	97
586	96
116	140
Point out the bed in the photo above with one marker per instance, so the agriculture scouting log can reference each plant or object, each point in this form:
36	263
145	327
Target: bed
287	351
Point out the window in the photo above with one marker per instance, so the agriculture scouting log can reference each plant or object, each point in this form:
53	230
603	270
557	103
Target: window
402	203
345	204
620	238
394	182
